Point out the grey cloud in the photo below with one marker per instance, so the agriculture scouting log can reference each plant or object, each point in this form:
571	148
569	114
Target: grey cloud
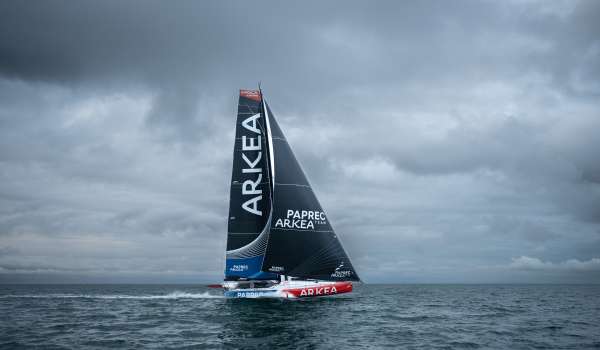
442	140
528	263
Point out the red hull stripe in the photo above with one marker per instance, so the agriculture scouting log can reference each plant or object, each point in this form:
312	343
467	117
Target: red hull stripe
331	289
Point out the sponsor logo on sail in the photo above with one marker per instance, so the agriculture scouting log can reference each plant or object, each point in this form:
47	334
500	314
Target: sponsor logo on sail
301	219
251	94
239	268
251	155
340	273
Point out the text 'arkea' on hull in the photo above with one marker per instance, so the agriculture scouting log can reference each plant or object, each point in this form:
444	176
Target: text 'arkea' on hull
279	241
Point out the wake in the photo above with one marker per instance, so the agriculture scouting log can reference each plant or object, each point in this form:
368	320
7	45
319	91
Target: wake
172	295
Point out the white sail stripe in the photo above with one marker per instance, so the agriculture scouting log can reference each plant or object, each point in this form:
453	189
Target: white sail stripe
254	252
249	246
271	150
255	248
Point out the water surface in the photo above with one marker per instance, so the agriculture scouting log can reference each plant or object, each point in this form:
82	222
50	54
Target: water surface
374	316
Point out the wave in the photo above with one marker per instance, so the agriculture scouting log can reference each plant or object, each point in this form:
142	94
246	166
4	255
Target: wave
172	295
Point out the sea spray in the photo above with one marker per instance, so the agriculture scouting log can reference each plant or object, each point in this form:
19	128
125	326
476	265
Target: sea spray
172	295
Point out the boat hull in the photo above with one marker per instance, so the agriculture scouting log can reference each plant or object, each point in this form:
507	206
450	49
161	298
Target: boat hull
292	290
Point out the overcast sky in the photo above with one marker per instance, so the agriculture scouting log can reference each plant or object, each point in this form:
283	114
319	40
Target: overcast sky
447	141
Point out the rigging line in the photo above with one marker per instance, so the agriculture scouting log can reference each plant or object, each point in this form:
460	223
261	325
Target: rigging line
298	185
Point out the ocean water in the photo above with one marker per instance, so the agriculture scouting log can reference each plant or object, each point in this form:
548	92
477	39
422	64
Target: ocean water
374	316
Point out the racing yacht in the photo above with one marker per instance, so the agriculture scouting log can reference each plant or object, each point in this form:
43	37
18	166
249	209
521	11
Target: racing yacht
280	242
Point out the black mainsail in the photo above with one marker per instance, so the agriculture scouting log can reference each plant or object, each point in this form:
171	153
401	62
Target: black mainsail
250	200
282	229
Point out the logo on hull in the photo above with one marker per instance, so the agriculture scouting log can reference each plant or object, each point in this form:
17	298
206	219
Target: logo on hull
318	291
252	294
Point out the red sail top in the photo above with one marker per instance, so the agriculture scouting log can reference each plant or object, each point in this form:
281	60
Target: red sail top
251	94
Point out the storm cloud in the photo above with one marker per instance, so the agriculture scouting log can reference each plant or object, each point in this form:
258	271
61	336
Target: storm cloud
447	142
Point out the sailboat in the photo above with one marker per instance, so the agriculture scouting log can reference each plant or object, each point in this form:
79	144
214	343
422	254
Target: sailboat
280	243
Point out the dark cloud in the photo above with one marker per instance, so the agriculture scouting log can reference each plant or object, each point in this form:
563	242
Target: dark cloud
445	142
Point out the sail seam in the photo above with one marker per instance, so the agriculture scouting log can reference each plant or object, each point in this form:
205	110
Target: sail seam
298	185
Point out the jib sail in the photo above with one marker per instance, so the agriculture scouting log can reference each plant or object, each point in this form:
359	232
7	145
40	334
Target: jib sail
301	242
250	193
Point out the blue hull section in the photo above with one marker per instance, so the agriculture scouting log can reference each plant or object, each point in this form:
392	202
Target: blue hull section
248	268
251	294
